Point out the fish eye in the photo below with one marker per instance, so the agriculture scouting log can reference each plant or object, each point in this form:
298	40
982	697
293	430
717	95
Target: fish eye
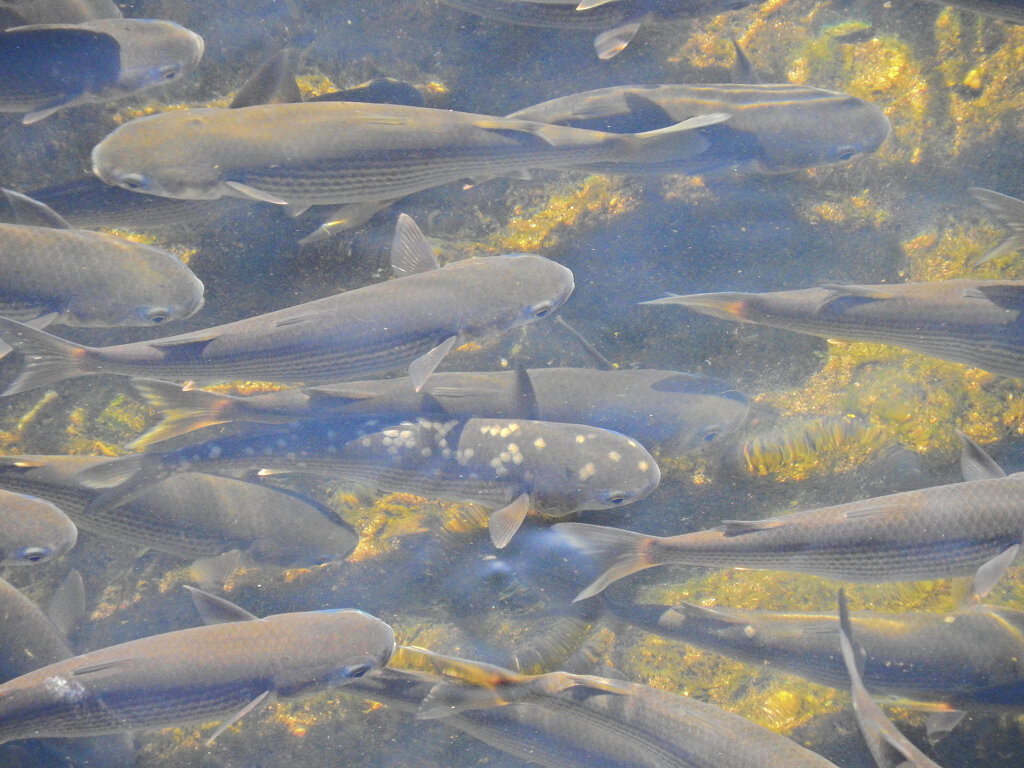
132	181
33	554
157	316
846	153
710	434
353	671
541	310
169	73
616	499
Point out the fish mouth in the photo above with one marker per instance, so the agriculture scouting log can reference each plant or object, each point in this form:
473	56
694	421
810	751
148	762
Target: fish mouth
728	306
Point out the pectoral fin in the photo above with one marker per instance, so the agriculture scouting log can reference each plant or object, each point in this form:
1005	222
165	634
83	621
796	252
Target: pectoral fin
740	527
424	365
975	463
504	522
67	606
217	610
938	725
237	716
990	573
29	212
411	254
611	43
252	193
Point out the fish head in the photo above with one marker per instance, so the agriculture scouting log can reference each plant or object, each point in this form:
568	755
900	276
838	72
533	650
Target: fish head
163	155
153	51
835	128
572	467
694	411
33	531
515	290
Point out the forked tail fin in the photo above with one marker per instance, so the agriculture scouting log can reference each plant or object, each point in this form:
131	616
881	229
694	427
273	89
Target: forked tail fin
616	552
46	358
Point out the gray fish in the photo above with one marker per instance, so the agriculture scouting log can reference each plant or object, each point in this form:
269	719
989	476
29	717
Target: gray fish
413	321
677	412
48	67
222	670
192	515
974	527
341	152
1009	211
1007	10
975	322
32	530
23	12
965	659
772	128
889	747
513	466
560	720
29	639
51	273
620	19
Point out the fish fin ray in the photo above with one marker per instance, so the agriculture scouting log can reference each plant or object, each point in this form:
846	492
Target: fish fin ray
503	523
612	42
181	411
740	527
31	212
975	463
1005	296
213	609
47	359
424	365
237	716
990	572
617	552
411	254
67	605
253	193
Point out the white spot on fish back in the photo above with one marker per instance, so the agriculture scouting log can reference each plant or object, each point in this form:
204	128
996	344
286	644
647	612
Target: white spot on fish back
749	630
581	439
63	689
614	455
494	431
505	432
365	442
632	444
512	448
588	471
484	430
214	452
406	434
539	443
513	427
643	466
517	458
425	453
387	441
504	456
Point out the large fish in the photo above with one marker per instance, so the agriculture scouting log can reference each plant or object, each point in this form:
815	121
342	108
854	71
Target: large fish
972	657
772	128
676	412
560	720
976	322
21	12
973	527
620	19
51	273
222	670
341	152
889	747
48	67
32	530
513	466
413	321
191	516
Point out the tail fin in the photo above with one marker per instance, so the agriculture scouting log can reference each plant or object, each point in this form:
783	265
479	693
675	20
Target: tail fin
1009	211
673	142
183	411
47	359
617	552
127	478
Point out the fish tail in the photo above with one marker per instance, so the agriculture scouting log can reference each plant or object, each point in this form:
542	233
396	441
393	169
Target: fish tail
47	359
673	142
617	552
183	411
1009	211
125	479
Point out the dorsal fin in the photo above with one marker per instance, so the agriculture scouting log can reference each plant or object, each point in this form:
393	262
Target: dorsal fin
217	610
273	82
29	212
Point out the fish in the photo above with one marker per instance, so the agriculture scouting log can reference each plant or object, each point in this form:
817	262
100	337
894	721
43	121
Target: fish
22	12
413	321
342	152
560	720
513	466
675	412
619	19
974	322
49	67
965	659
889	747
969	528
1006	10
221	670
30	638
1009	211
32	530
52	273
192	516
772	128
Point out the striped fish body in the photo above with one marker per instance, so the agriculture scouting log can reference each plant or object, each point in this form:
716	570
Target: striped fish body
966	658
772	128
28	639
91	279
375	328
191	516
563	15
976	322
192	674
931	533
345	152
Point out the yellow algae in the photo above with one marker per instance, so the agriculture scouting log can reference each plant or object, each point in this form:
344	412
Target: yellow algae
594	198
390	518
315	84
860	209
246	388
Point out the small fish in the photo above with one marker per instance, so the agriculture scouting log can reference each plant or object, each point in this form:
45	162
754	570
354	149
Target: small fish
772	128
969	528
677	412
560	720
620	19
975	322
968	658
48	67
32	530
889	747
51	273
341	152
1009	211
223	670
513	466
192	516
413	321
